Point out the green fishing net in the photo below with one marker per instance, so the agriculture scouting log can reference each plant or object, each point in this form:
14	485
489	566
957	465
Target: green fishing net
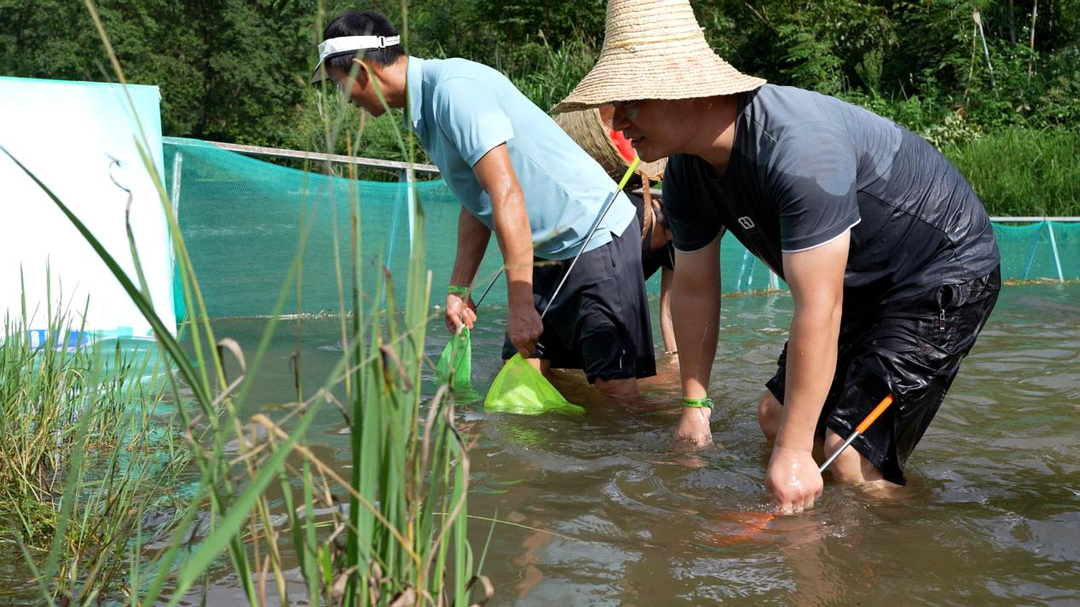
455	367
521	389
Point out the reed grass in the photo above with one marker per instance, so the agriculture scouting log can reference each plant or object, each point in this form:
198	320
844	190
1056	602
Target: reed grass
403	539
88	446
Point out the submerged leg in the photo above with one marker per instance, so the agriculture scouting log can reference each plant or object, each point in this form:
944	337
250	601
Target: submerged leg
851	468
542	365
618	388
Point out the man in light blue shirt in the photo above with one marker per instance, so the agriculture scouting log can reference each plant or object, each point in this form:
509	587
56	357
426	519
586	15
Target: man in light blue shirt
518	174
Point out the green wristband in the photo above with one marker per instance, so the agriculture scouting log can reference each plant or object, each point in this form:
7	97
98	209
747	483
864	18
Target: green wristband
697	403
457	290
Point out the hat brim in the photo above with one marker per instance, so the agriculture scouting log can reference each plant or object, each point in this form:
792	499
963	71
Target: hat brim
320	73
625	75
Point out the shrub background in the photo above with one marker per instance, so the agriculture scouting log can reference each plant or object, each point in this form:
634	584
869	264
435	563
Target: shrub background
236	70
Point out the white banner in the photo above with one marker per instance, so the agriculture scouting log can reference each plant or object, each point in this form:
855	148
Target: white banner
69	134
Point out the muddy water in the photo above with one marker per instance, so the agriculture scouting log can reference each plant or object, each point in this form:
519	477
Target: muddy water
605	510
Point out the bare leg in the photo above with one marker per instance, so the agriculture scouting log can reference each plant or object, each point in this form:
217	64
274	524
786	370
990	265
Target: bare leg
618	388
851	468
769	412
542	365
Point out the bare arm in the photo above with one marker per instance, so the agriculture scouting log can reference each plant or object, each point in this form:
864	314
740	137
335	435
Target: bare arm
512	230
816	279
695	308
666	328
472	241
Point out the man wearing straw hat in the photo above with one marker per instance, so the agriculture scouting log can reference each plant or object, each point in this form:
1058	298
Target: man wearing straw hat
517	174
889	255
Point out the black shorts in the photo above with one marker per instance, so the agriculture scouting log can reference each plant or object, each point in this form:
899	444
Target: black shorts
910	347
600	320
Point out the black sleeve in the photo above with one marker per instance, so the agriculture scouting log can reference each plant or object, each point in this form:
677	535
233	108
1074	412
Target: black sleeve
694	224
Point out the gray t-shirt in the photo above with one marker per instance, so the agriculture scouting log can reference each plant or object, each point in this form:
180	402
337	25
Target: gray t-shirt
805	167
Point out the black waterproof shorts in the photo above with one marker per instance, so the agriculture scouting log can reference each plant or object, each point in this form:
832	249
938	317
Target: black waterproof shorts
910	347
599	322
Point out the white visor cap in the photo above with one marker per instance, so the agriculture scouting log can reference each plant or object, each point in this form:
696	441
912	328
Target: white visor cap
348	45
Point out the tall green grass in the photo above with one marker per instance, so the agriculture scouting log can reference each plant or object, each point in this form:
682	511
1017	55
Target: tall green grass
403	539
1023	172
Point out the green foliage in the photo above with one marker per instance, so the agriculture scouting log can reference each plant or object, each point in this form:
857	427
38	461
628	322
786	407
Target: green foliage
228	69
551	73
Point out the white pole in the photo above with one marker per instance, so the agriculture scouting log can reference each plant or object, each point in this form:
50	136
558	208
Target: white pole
409	180
1054	248
178	163
978	21
742	271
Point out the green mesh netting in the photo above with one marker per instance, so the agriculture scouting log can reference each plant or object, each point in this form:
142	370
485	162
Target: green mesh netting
242	220
1044	250
521	389
455	367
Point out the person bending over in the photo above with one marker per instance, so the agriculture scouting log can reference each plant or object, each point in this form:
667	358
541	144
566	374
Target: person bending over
889	255
515	172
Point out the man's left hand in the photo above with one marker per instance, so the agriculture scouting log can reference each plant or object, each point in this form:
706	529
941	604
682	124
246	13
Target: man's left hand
792	480
525	327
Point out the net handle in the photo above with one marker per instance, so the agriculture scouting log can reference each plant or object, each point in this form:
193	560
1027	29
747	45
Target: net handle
603	213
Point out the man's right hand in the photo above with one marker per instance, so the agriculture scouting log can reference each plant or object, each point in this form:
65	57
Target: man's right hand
792	480
460	311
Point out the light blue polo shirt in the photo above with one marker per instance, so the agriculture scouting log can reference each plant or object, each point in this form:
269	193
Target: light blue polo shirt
461	110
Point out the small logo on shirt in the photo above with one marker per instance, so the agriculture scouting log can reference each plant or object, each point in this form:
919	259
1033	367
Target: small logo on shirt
746	223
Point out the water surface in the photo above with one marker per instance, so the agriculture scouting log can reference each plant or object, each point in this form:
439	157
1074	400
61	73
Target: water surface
608	510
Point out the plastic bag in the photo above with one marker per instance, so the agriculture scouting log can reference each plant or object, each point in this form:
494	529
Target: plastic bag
519	388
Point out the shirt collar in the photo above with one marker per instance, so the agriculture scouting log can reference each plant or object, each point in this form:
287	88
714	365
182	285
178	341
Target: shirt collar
414	81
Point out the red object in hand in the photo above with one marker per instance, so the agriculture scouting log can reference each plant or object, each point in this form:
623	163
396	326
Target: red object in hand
626	149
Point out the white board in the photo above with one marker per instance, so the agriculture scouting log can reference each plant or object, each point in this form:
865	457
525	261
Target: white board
67	134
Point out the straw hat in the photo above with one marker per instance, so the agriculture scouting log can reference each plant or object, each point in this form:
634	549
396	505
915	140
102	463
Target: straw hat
654	49
590	131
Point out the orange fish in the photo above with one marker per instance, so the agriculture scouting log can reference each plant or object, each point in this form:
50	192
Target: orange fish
736	527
